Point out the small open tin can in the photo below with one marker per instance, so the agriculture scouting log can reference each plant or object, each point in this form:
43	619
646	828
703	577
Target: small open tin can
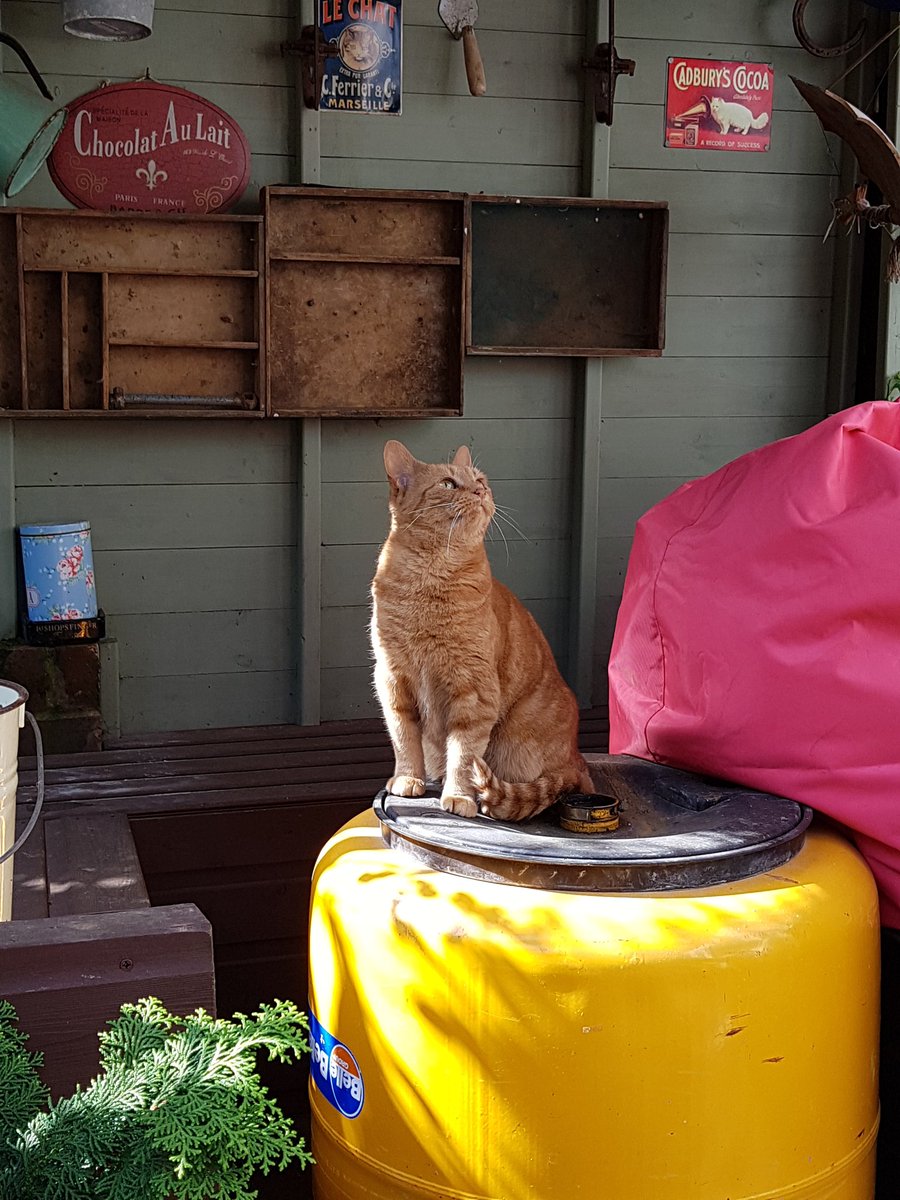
589	814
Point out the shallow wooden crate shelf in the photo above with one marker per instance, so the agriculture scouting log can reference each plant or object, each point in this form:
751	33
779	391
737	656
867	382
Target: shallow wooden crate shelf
95	306
592	283
365	302
340	302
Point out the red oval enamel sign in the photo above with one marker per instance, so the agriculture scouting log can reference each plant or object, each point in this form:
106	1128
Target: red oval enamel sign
150	147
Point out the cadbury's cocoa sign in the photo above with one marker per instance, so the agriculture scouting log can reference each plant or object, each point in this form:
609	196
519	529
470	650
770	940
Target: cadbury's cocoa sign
150	147
715	104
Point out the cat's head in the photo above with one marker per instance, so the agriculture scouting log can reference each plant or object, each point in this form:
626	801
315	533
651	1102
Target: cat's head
442	504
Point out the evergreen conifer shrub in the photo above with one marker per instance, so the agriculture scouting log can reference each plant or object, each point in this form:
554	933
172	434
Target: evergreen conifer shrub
178	1111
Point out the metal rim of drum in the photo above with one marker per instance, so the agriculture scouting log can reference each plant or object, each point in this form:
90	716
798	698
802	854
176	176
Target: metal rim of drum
674	873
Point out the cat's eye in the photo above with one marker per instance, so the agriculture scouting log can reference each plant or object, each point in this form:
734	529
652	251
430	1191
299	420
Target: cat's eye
448	483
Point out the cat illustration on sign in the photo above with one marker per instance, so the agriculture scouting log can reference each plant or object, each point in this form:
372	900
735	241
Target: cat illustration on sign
729	115
469	688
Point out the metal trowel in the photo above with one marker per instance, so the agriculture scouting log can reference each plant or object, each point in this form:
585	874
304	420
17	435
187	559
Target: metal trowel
460	16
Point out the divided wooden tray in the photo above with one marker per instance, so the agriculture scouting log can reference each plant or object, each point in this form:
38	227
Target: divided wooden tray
130	315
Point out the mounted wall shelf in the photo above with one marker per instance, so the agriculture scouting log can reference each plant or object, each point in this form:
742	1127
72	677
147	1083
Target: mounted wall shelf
365	296
567	277
131	313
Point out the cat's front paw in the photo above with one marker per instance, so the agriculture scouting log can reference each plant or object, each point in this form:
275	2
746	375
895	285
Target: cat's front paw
463	806
406	785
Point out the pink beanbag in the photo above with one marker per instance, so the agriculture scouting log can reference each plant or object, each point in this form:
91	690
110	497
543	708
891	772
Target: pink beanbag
758	638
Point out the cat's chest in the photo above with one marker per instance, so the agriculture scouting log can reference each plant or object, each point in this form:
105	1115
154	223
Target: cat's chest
404	622
423	634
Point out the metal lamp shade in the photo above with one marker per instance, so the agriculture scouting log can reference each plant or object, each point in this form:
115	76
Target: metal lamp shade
29	128
109	20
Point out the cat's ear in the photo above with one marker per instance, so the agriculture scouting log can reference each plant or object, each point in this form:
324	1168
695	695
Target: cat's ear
399	464
462	458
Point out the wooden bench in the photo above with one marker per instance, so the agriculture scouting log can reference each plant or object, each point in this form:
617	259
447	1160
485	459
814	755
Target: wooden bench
85	939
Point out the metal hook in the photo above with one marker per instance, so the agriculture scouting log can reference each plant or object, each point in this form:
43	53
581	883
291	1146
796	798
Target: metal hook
823	51
31	68
604	67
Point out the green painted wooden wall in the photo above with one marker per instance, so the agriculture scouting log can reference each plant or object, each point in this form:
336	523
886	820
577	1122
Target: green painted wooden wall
193	523
524	137
196	526
749	279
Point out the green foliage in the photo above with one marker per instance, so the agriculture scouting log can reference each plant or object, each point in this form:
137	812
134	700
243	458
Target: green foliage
22	1095
178	1110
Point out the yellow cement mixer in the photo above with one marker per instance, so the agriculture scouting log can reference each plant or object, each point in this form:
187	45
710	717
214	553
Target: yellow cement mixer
683	1009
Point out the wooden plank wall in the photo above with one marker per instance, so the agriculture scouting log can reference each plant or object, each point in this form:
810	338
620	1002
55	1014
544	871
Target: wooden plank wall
228	52
193	533
522	138
193	522
749	280
195	525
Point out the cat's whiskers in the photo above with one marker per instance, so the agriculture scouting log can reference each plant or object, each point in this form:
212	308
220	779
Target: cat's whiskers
427	508
503	535
502	514
452	527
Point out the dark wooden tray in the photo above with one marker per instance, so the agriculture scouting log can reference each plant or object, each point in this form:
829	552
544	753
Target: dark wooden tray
560	276
365	302
129	314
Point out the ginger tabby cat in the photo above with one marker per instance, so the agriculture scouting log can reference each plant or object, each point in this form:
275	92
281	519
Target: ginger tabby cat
468	685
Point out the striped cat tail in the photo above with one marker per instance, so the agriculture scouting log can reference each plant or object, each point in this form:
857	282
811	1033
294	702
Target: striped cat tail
518	801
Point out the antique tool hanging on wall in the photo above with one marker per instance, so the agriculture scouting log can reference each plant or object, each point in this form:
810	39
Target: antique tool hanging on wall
460	16
604	68
28	127
809	44
879	162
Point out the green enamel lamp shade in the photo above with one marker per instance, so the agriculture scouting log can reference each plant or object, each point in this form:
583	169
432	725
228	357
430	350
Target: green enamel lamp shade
29	127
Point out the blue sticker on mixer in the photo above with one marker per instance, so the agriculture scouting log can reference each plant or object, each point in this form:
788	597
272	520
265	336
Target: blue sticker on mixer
335	1071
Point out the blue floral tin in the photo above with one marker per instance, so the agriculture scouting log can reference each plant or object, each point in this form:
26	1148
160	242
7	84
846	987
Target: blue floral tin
58	566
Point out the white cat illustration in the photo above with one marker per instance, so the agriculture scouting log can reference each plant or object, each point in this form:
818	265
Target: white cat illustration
729	115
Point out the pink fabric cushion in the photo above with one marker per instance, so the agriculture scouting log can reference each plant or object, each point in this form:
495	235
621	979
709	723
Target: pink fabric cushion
758	638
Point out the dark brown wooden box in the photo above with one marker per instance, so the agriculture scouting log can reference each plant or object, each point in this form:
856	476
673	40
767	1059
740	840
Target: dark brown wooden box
365	302
557	276
129	314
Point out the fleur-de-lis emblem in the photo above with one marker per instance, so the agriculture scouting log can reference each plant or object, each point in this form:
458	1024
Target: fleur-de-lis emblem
151	175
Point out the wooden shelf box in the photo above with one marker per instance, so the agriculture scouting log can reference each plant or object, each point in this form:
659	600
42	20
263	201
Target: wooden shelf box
132	314
558	276
365	302
334	303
